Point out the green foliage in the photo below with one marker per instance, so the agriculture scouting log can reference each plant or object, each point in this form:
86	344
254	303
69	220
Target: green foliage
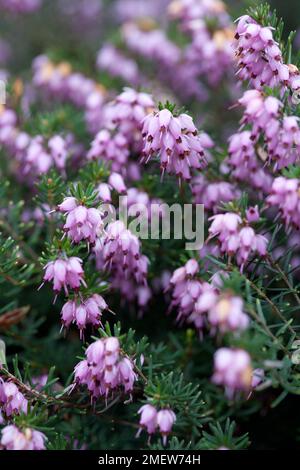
223	437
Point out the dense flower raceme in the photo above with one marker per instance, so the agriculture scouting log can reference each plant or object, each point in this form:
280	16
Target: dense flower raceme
122	253
12	401
176	141
237	238
83	312
34	156
13	438
203	304
152	420
244	165
105	369
259	56
64	273
233	370
281	134
119	253
82	223
285	195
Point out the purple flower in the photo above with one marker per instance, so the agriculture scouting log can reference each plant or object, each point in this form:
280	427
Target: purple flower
259	56
237	239
59	150
252	214
244	163
176	142
127	112
116	181
227	314
82	223
233	370
148	418
152	420
83	312
104	192
212	193
202	303
165	420
64	273
285	195
29	439
112	147
11	399
121	254
105	368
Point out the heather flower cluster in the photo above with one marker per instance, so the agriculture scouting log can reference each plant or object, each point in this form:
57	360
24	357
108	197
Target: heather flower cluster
213	193
119	253
285	196
105	369
111	147
245	166
259	56
13	438
34	156
176	141
65	273
82	223
281	134
203	304
121	131
12	401
233	370
236	237
83	312
152	420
